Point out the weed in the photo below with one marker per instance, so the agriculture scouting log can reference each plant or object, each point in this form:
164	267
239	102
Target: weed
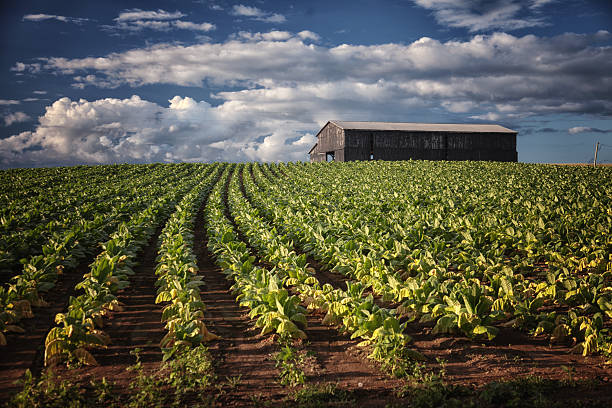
146	388
47	391
103	391
570	371
290	362
233	382
184	376
321	395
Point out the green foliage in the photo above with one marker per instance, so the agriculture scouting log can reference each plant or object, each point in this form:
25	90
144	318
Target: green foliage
465	245
321	395
50	392
290	363
51	224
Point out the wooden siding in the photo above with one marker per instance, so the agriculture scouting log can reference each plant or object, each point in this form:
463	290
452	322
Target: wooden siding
402	145
330	138
358	144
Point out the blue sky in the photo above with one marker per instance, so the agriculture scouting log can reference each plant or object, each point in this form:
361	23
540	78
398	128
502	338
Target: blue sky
88	82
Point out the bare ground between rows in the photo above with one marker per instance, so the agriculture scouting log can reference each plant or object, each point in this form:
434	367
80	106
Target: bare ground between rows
510	355
138	325
26	351
242	357
337	360
333	358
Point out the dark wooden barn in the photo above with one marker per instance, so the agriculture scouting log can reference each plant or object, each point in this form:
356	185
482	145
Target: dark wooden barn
347	141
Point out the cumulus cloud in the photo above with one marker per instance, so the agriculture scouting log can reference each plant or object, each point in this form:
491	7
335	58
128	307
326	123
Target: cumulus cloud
138	14
583	129
478	15
15	117
503	75
135	20
281	87
43	17
308	35
257	14
134	130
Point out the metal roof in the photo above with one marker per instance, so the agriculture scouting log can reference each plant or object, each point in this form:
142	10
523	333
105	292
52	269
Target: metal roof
422	127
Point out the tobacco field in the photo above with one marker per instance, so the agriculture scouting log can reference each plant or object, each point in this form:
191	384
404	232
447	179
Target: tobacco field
409	283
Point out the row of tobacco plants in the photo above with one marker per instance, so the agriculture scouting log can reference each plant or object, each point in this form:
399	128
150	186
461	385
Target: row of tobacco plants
98	201
469	247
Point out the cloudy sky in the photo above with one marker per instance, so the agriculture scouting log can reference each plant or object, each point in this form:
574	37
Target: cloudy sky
86	82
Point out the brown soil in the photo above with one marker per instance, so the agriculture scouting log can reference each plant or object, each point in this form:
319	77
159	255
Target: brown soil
138	325
242	357
336	359
333	357
510	355
26	351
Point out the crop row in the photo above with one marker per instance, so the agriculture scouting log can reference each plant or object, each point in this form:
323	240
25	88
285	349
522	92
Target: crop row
64	251
454	247
79	328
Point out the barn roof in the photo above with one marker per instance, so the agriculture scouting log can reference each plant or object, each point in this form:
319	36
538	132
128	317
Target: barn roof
422	127
313	147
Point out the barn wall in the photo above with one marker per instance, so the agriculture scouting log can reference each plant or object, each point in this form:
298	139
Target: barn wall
330	138
339	155
317	157
401	145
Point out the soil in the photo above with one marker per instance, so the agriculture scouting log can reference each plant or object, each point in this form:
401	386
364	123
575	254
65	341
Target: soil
26	351
510	355
243	358
138	325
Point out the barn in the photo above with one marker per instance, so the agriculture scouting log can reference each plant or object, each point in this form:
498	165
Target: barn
347	141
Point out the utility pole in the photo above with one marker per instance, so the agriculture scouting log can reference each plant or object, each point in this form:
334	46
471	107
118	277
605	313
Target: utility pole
595	159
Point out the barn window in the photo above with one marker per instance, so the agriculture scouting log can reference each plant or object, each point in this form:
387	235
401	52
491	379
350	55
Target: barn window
330	156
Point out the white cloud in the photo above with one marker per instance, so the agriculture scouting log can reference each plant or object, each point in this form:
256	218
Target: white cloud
478	15
308	35
188	25
43	17
137	14
160	25
274	18
5	102
135	130
273	35
284	87
16	117
242	10
257	14
583	129
21	68
40	92
506	75
136	20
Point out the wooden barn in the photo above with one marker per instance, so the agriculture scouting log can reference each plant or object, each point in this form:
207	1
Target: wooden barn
347	141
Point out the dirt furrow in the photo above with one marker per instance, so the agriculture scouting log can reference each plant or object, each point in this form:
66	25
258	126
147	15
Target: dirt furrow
26	351
138	325
242	357
335	356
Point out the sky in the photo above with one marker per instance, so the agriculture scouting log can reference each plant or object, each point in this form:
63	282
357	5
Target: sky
91	82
